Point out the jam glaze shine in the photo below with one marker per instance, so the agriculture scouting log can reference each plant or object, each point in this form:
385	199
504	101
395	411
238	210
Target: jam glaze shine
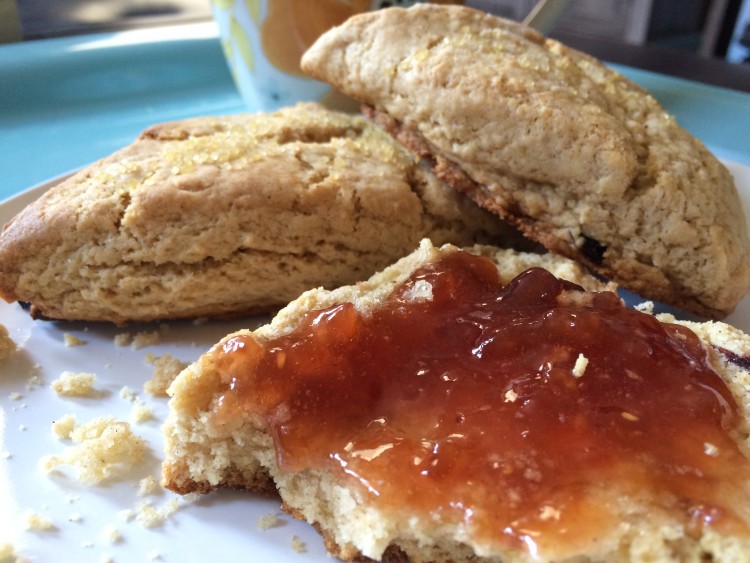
534	415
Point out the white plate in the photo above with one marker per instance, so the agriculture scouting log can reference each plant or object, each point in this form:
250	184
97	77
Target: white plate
220	525
224	524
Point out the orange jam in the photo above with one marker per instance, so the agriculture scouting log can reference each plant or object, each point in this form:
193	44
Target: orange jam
531	413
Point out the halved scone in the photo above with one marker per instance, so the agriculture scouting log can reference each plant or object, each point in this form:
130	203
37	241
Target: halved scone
446	410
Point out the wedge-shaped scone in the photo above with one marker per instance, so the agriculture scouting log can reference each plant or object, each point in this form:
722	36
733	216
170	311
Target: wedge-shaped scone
228	215
574	154
429	414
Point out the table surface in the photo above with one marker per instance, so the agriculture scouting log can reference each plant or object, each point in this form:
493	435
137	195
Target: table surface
67	102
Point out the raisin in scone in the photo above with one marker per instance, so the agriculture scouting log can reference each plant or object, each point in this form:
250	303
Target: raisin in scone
446	410
221	216
574	154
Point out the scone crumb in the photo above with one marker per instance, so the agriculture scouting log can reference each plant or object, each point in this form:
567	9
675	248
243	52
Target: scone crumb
128	394
141	413
580	366
71	384
34	380
126	515
38	523
143	339
112	534
298	545
72	340
102	447
171	507
510	396
15	396
269	521
63	426
166	368
105	558
7	345
148	515
151	517
147	486
122	339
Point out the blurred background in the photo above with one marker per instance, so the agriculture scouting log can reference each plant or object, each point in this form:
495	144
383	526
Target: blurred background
707	29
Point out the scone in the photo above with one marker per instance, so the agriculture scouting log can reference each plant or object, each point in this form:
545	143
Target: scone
430	414
568	150
220	216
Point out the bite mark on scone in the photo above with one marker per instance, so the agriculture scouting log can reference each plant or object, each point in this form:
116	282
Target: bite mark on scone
306	490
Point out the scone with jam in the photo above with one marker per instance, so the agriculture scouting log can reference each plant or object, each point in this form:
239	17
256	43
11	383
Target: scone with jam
224	216
478	406
574	154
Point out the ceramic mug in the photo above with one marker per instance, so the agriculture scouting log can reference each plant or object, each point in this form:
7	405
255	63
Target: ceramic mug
263	41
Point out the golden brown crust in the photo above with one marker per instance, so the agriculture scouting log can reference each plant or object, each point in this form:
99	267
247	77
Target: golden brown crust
216	217
199	450
452	174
